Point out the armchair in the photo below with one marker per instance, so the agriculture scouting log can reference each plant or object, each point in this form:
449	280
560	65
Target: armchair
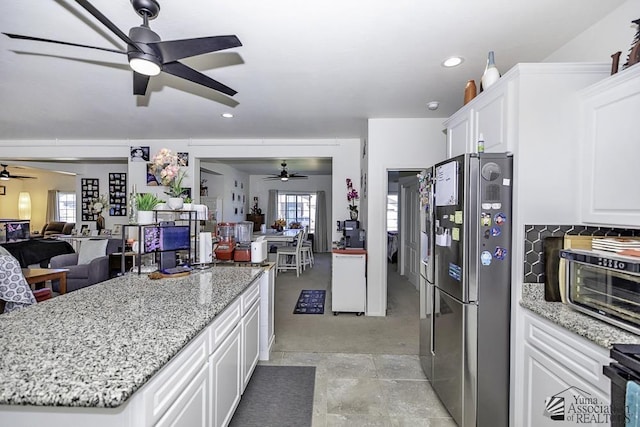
83	275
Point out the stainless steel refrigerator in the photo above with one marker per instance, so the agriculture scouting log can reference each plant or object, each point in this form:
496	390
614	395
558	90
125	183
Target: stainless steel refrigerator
465	286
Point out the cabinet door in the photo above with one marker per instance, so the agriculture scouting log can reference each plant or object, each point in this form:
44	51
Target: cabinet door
267	294
250	342
348	283
459	135
490	120
560	366
190	408
225	378
611	151
549	384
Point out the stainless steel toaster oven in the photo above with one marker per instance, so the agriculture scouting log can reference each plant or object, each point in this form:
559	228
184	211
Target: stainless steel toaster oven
604	285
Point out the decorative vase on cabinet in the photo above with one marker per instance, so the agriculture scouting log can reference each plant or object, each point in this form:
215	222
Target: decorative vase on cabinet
470	91
353	214
491	73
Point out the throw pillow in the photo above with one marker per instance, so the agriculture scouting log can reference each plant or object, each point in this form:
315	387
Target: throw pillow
92	249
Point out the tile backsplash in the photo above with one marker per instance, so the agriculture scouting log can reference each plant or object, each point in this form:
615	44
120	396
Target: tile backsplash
534	237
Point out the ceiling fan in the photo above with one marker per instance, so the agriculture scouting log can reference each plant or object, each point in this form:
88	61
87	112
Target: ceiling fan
284	175
148	55
6	176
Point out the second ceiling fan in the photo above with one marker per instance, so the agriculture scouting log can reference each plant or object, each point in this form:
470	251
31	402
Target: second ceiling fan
284	175
148	55
6	176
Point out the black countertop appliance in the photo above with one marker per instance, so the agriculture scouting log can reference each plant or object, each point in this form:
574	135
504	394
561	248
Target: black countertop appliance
352	234
625	369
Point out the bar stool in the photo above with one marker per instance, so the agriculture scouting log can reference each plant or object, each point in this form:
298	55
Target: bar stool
306	250
290	257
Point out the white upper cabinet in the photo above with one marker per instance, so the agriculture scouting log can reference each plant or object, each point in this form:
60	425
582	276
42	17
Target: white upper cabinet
610	144
485	115
490	120
459	135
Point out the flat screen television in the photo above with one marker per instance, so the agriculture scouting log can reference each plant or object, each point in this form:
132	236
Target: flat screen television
166	238
15	231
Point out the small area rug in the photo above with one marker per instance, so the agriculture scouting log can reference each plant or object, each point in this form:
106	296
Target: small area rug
277	396
310	302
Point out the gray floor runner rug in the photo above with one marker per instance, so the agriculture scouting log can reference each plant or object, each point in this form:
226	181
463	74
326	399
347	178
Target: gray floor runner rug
277	396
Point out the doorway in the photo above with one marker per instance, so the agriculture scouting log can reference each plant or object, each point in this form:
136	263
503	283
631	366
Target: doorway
403	226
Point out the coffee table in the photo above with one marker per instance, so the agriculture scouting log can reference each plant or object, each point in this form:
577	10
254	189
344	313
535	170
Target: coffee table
37	275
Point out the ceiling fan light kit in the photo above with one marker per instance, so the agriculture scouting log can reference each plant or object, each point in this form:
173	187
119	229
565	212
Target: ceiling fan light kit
148	55
284	175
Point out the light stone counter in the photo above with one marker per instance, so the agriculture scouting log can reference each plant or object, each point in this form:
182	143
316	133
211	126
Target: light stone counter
96	346
595	330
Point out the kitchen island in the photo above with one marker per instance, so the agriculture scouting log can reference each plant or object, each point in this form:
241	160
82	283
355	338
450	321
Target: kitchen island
84	357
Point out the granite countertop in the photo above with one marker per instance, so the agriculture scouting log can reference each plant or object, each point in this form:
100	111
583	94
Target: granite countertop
595	330
96	346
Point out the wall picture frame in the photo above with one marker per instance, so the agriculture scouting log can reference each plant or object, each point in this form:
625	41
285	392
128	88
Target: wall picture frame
3	190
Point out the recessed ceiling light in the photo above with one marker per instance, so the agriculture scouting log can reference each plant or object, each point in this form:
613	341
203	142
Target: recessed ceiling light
227	115
453	61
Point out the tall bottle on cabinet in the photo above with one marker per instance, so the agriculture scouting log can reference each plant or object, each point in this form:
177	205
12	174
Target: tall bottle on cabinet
491	73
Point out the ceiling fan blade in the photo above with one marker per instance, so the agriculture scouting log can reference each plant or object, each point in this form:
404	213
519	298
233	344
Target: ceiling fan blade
173	50
140	82
180	70
105	21
38	39
23	177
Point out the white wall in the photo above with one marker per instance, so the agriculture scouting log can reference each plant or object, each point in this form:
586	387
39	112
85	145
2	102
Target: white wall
393	144
233	187
100	171
613	33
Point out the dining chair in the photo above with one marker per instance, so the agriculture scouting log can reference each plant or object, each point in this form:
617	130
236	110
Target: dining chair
306	249
290	257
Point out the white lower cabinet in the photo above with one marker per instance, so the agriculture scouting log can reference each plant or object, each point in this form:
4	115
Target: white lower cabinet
267	295
348	283
199	386
191	407
250	342
225	378
562	377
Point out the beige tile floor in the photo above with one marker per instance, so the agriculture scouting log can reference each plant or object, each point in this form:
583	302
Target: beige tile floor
378	381
369	390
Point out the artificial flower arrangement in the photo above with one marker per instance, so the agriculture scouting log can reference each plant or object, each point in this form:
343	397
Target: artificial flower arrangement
100	203
352	196
167	164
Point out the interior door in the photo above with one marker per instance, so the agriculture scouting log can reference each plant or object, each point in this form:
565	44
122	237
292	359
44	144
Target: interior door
410	231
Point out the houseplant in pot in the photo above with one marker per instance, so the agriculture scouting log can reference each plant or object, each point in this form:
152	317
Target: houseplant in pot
352	196
146	203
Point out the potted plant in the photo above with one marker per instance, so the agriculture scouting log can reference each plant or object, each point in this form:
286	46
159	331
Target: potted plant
146	202
352	196
188	203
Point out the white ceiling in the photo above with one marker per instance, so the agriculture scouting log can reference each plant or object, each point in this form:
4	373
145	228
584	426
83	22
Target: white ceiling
305	70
